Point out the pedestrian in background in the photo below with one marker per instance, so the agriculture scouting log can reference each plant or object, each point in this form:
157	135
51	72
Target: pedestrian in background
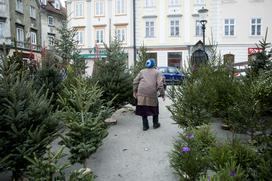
145	89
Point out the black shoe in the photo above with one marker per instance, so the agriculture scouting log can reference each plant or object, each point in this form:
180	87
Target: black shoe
145	128
155	126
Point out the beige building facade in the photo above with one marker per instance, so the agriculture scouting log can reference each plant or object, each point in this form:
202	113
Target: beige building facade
240	24
170	28
98	22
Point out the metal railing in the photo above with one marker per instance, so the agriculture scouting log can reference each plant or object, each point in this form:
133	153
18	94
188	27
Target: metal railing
25	46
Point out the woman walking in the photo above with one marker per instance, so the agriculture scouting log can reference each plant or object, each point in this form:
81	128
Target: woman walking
145	87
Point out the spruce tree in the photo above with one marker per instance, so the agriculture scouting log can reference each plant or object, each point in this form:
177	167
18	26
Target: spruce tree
26	119
49	80
84	113
67	48
140	64
49	77
113	76
261	60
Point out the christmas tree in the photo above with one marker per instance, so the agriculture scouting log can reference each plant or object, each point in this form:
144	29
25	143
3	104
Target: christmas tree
26	119
261	61
84	113
49	77
140	64
67	48
113	76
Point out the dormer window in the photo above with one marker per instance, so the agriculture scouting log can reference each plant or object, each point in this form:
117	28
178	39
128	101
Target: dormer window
57	4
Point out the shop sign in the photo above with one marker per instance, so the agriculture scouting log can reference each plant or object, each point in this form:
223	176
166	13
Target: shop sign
252	51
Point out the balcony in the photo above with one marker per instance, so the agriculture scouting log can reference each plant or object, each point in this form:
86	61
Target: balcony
25	46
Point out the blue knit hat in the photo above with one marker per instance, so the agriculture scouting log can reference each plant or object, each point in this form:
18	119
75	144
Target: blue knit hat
150	63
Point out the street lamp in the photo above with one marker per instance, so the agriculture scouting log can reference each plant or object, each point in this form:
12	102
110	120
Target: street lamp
203	13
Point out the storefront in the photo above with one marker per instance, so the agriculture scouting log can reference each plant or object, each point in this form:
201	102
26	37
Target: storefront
174	59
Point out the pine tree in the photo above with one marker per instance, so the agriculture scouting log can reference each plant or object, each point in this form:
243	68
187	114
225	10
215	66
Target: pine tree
113	76
49	77
51	167
84	113
26	119
47	167
140	64
261	61
67	48
50	81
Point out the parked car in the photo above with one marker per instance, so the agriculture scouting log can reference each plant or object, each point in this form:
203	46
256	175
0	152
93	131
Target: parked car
172	75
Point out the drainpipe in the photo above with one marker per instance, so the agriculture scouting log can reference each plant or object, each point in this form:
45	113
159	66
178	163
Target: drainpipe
109	31
134	32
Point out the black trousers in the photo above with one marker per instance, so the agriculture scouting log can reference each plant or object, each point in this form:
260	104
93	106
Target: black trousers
145	120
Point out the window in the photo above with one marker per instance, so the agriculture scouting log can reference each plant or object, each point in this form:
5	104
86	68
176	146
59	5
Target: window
57	4
229	27
198	30
33	38
2	24
50	21
2	5
200	1
32	12
174	2
51	39
20	37
256	25
80	37
149	29
120	34
99	36
99	7
174	27
20	6
43	2
120	6
79	9
149	3
174	60
163	69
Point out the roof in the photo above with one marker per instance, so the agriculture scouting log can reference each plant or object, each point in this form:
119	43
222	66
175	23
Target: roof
50	7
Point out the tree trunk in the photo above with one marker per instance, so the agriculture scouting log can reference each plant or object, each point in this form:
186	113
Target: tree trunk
17	176
85	163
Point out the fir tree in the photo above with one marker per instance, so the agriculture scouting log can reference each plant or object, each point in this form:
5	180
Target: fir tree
140	64
49	80
113	76
26	119
84	113
261	60
51	167
47	167
67	48
49	77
